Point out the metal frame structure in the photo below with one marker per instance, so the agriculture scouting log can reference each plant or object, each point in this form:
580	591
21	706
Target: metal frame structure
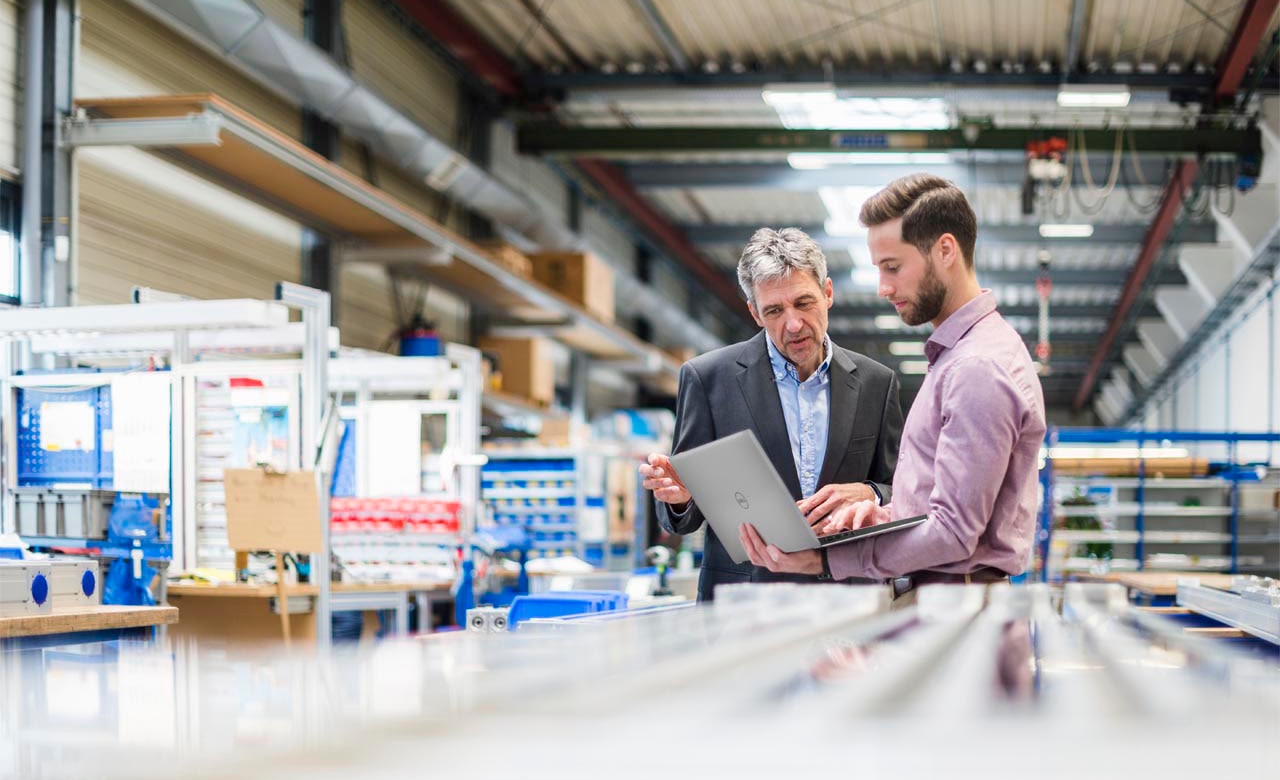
174	323
1056	436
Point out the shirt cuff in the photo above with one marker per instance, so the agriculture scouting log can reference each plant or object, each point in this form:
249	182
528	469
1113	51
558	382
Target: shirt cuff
876	490
848	560
681	513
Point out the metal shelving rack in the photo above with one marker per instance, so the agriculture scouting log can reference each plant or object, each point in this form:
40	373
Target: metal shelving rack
1142	509
182	330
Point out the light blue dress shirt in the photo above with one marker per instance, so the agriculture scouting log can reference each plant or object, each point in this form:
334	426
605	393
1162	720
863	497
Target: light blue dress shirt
807	408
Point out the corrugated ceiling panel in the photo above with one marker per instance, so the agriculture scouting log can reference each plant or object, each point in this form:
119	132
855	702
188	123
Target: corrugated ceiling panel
142	221
915	33
124	52
10	88
387	57
145	222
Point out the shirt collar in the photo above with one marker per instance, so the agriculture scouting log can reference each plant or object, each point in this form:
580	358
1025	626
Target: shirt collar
959	323
783	368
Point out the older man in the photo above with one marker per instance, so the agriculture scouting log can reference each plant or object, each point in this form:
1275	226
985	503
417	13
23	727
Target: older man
972	440
829	419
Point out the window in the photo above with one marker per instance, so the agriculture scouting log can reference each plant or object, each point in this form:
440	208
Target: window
10	240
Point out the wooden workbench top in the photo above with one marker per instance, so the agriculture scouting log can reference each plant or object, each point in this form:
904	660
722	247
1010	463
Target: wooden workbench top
67	620
247	591
1163	583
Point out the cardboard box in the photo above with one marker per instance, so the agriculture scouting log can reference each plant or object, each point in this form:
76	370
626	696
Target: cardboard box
556	432
508	257
620	499
683	354
526	367
579	276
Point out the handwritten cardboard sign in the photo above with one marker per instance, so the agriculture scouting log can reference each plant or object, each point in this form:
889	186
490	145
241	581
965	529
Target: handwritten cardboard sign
273	511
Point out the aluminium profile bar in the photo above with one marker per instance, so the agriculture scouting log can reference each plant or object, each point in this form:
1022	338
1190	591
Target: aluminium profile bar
1253	617
202	129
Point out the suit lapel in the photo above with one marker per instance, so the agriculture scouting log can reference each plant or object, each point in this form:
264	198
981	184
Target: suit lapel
842	409
761	395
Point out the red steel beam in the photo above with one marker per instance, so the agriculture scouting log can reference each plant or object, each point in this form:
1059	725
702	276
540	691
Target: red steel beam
614	184
1183	176
1242	47
1237	56
466	44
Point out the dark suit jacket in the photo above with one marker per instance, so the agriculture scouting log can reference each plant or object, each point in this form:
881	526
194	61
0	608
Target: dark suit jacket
732	389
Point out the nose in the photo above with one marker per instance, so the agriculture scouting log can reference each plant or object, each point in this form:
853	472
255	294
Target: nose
885	289
794	324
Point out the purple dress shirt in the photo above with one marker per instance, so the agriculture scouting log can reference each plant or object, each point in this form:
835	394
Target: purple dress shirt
969	457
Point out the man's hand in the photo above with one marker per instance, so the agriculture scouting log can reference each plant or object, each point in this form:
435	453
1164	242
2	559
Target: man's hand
775	560
856	516
662	479
820	506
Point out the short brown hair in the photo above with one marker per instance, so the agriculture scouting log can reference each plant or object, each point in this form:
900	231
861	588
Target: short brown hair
929	206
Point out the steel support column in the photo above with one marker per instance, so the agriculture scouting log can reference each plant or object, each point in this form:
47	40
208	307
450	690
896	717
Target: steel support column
31	291
56	171
322	25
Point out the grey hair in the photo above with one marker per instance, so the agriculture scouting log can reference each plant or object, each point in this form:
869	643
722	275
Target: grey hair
772	254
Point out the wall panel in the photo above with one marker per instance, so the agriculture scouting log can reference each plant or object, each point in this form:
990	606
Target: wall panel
11	74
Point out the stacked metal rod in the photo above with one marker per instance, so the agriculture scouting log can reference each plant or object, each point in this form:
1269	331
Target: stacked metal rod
769	679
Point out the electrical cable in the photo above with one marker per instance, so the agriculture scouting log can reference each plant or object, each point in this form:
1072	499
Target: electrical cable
1105	192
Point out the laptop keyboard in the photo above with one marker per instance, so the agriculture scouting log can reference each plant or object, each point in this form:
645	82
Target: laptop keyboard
833	538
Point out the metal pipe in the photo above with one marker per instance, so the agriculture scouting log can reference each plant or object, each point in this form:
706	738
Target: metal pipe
33	89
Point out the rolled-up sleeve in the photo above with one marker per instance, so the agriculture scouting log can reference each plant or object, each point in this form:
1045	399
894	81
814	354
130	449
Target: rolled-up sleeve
982	410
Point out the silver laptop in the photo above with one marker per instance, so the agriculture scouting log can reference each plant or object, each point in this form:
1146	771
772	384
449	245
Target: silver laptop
733	482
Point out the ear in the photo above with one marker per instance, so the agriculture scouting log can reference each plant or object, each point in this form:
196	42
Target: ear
949	251
829	291
751	307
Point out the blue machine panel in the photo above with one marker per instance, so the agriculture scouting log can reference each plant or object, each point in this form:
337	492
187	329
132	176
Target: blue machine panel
38	466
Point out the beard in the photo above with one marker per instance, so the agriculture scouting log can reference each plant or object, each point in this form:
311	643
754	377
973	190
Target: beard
928	302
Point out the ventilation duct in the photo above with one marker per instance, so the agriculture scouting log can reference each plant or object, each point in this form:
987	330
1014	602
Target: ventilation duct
303	74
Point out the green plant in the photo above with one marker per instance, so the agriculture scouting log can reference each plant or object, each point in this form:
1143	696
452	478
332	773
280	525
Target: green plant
1086	523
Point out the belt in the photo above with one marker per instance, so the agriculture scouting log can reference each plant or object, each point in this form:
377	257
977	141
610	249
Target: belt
982	576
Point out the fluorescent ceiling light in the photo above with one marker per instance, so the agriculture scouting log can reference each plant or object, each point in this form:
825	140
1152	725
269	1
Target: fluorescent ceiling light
788	95
818	107
888	322
1093	96
843	206
914	367
1066	231
907	348
809	161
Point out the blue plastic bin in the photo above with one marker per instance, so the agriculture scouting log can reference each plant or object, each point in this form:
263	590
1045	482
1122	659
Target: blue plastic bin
564	604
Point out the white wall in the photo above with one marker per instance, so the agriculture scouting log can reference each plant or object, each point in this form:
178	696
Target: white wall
1232	383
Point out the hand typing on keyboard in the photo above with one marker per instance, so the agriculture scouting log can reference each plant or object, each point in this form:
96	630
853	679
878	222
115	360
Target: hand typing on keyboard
854	516
830	498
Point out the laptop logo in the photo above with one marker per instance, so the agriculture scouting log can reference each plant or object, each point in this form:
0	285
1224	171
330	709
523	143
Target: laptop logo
742	501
